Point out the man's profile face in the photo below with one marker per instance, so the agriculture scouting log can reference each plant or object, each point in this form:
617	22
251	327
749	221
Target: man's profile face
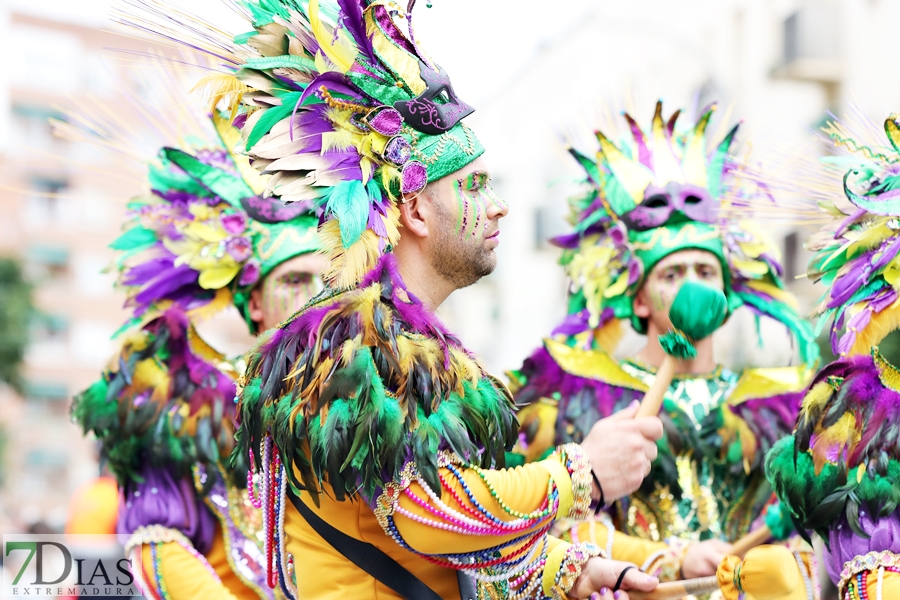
286	289
467	229
653	300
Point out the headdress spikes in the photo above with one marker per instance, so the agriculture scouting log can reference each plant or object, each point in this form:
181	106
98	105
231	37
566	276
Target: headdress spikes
666	167
640	141
632	176
694	164
717	163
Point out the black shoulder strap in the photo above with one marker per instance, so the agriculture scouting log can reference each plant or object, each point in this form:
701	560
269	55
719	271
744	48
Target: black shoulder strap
367	557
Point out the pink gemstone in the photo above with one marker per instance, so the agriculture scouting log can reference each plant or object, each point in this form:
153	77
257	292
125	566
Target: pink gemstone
386	121
414	177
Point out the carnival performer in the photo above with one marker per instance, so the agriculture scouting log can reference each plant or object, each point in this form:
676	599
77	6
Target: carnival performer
201	240
378	437
656	214
839	473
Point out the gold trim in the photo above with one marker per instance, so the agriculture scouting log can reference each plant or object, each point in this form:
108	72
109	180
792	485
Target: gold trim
592	364
765	383
888	374
639	364
663	237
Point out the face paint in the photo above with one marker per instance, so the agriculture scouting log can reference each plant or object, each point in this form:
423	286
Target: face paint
474	196
285	293
668	275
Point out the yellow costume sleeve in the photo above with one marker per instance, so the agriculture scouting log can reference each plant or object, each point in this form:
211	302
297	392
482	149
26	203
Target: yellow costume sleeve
496	518
661	559
182	574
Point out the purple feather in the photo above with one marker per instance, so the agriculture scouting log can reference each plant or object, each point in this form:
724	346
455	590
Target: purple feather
166	283
334	83
356	26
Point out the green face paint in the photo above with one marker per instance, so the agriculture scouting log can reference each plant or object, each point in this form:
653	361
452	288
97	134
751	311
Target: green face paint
285	293
474	196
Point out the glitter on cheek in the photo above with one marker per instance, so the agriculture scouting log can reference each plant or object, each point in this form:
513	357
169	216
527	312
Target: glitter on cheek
479	202
460	207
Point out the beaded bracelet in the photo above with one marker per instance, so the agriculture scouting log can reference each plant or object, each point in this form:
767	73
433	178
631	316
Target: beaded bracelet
577	556
579	468
853	575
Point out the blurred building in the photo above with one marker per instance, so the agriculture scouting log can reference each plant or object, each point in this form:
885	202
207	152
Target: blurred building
62	203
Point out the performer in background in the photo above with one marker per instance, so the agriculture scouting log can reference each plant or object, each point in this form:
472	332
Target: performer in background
659	210
202	239
839	474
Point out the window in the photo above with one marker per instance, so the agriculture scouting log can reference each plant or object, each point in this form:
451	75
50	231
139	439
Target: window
47	261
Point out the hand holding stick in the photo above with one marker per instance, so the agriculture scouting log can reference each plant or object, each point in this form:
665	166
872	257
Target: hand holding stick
767	573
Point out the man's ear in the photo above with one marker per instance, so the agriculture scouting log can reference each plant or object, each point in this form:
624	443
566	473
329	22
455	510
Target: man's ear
415	212
255	305
639	305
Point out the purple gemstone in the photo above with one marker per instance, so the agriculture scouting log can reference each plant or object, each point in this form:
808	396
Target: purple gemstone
398	150
249	274
386	121
234	223
240	248
413	177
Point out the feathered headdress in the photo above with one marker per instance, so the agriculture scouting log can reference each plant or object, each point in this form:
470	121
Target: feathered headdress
857	252
203	239
654	194
839	474
345	112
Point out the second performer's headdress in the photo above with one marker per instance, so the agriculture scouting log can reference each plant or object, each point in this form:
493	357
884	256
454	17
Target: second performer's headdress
652	194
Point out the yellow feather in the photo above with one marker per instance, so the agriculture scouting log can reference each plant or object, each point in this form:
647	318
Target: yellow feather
219	87
879	326
609	336
815	398
336	140
149	374
347	266
401	62
775	292
342	53
220	302
736	426
538	418
201	348
392	224
840	437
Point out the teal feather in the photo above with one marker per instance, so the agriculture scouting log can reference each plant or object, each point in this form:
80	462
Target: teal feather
349	201
716	167
135	239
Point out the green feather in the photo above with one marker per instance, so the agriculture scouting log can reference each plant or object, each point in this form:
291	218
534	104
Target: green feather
349	202
271	117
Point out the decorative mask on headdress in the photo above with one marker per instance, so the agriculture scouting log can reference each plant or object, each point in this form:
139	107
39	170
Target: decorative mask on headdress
347	114
653	195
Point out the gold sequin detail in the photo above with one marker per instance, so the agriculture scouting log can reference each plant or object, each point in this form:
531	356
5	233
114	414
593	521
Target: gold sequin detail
887	373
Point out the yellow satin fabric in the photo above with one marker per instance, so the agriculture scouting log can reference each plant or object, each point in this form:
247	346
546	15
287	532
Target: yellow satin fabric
766	573
522	489
186	578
